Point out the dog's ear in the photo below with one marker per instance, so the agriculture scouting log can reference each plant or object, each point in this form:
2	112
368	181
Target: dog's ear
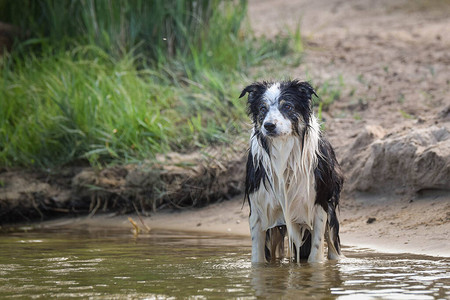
249	89
306	89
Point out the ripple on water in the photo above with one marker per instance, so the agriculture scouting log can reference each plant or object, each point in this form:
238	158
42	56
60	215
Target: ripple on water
114	264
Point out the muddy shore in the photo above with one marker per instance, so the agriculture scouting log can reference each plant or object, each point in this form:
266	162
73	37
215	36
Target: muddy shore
403	228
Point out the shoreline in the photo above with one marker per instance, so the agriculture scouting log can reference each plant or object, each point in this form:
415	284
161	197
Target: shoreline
230	218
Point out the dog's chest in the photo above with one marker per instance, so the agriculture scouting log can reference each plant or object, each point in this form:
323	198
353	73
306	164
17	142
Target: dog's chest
290	192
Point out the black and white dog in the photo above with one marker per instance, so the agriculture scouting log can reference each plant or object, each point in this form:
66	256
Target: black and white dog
293	179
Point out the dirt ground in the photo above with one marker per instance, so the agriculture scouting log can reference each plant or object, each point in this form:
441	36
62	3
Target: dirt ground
390	125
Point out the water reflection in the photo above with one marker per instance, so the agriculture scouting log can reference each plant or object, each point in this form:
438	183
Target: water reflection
287	279
114	264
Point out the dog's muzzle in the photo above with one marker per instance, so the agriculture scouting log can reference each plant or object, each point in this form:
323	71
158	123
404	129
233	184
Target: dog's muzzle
270	128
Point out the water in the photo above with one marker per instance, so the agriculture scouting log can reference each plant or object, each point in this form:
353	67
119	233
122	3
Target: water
113	264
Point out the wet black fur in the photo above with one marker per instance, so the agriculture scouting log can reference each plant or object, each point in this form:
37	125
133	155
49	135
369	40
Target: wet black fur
328	176
329	182
296	93
254	176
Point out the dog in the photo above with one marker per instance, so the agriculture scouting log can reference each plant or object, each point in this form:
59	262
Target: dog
293	180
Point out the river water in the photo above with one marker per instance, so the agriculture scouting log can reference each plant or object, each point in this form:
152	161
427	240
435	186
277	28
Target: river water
114	264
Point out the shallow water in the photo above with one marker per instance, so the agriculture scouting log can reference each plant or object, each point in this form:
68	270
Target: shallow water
112	264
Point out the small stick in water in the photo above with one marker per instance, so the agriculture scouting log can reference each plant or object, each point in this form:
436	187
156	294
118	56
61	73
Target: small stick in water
136	227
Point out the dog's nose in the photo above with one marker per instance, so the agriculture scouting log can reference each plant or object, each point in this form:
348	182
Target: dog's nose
269	126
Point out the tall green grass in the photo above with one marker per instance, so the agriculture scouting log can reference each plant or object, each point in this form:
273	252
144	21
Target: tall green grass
198	33
171	27
120	81
59	108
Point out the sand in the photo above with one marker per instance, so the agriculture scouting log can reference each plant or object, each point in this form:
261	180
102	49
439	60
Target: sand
415	227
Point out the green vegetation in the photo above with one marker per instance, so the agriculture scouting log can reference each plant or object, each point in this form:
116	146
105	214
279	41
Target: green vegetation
119	81
406	115
328	92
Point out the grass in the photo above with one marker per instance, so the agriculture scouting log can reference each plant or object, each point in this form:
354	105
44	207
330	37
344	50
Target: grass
60	108
405	115
328	92
165	28
117	92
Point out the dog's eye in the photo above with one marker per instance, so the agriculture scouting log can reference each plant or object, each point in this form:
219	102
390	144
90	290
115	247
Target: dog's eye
263	109
288	107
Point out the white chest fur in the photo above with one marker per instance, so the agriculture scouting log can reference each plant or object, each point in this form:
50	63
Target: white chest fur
288	196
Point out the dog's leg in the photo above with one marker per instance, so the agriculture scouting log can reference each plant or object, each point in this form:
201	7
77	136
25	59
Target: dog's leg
274	243
258	238
332	233
318	234
282	232
334	249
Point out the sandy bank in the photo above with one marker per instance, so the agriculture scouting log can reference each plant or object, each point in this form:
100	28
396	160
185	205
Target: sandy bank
400	226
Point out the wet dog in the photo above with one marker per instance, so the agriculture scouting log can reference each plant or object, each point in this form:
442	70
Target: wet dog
293	179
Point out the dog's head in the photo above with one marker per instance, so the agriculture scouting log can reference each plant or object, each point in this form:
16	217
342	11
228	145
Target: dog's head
279	108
